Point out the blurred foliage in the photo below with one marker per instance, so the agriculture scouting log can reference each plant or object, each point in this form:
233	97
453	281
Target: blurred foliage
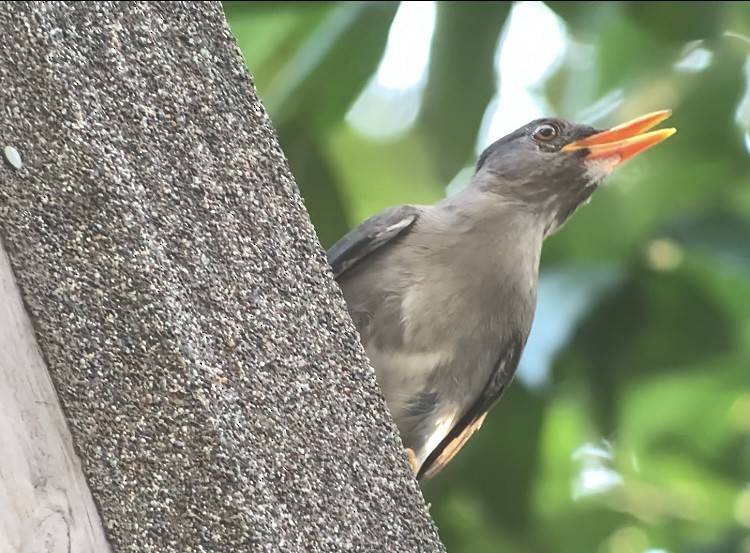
635	436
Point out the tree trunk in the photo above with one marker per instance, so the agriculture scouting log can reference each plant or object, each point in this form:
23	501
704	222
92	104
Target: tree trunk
178	371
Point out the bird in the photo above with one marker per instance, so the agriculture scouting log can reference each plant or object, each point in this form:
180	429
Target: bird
443	296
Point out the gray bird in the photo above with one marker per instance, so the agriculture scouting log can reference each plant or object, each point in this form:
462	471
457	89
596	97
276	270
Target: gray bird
443	295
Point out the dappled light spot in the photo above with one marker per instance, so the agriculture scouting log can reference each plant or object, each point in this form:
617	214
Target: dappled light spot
739	413
519	97
695	58
404	63
742	507
742	115
664	254
596	475
594	480
389	105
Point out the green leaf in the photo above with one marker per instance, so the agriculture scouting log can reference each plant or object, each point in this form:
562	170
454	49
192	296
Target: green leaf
317	181
695	20
325	75
268	35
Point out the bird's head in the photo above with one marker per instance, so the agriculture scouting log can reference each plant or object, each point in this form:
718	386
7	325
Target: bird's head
551	166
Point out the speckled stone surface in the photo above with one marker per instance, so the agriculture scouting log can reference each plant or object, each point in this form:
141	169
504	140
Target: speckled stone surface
213	383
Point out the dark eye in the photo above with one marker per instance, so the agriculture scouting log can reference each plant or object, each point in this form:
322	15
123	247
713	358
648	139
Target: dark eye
545	133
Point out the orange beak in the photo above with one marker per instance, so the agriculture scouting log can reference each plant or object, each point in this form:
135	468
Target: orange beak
624	141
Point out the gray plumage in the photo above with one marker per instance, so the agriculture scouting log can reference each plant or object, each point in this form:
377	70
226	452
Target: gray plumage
443	296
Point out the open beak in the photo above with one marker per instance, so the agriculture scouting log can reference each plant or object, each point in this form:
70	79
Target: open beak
624	141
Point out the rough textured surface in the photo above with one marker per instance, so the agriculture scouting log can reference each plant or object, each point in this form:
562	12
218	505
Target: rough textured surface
212	381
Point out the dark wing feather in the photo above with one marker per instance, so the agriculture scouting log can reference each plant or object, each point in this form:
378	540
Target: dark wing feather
373	233
505	368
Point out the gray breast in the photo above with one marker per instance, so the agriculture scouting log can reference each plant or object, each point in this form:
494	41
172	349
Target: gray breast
435	314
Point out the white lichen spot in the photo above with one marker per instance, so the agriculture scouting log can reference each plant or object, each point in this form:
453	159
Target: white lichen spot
13	157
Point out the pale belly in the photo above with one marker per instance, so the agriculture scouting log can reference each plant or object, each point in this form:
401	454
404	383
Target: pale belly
403	376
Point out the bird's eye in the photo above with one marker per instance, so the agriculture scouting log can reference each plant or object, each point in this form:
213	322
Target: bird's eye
545	133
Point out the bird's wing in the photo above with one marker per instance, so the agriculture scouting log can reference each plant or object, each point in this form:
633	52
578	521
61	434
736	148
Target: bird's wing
505	368
373	233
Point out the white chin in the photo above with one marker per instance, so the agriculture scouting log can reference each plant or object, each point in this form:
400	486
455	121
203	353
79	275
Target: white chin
598	169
